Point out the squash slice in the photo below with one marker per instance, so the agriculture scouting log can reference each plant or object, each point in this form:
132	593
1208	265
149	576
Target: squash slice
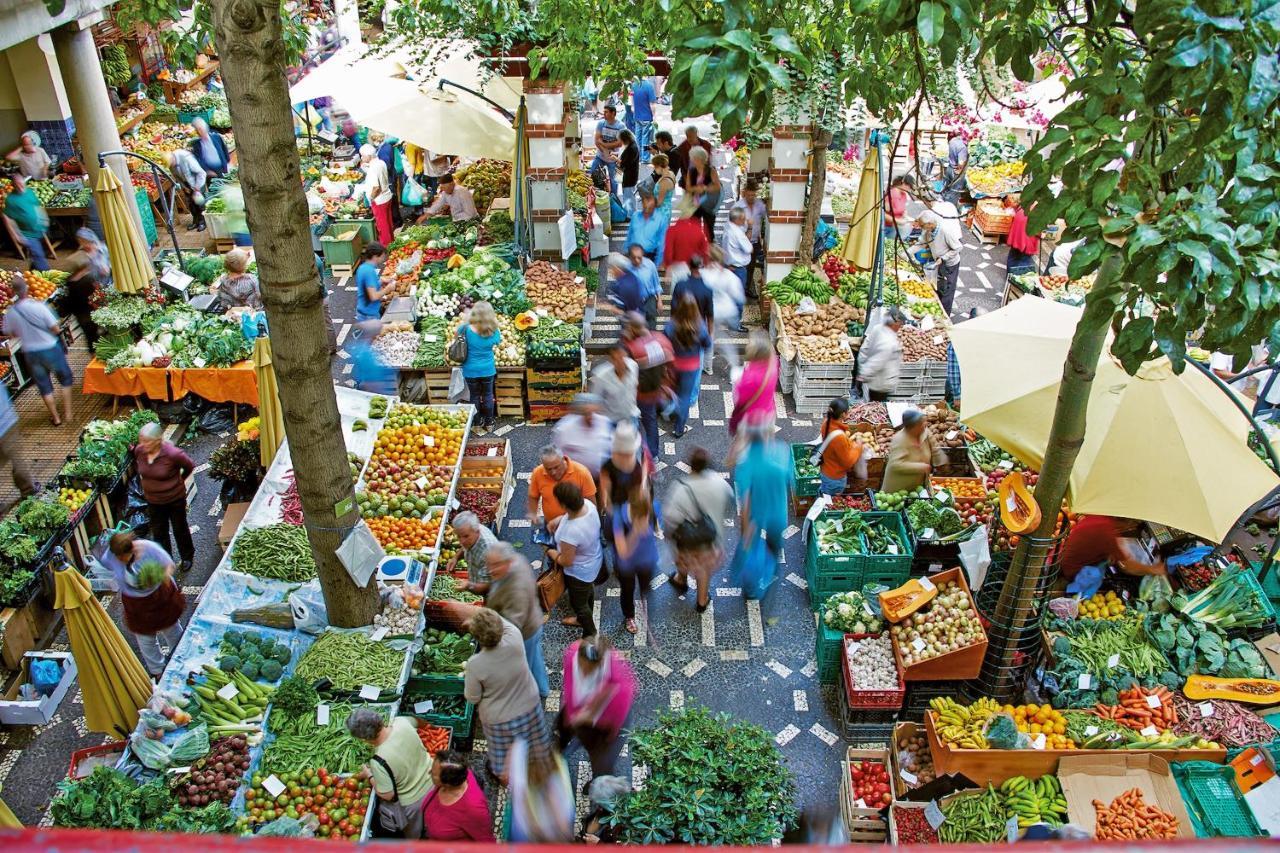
898	604
1255	691
1018	508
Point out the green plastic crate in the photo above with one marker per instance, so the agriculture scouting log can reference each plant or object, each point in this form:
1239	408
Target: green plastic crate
846	565
341	252
805	486
1214	802
828	647
459	724
822	588
367	232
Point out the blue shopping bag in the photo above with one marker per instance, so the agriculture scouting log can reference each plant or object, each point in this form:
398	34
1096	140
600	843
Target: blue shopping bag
754	568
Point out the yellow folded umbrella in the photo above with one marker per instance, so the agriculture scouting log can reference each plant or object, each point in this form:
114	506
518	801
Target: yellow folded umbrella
130	264
1158	446
859	246
270	418
8	820
113	683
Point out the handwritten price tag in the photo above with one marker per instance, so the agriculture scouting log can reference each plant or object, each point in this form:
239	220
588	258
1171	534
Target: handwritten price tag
1153	701
1206	709
228	692
917	644
1113	661
941	497
1039	742
429	440
951	436
378	634
1084	681
1090	731
493	451
322	715
909	777
369	691
431	339
925	583
424	707
421	483
937	339
1011	829
1006	464
934	815
273	786
1150	731
927	323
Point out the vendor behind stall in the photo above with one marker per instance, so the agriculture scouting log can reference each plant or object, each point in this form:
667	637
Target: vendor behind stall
33	161
1096	539
838	453
913	454
238	288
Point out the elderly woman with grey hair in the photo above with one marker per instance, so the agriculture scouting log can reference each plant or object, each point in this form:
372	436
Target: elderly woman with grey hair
475	539
400	769
163	470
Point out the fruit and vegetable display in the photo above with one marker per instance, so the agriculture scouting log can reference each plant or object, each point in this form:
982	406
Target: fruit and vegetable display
915	761
1229	601
946	624
445	588
552	338
558	292
998	179
1221	722
299	741
350	660
1129	817
487	179
216	777
910	826
442	653
225	710
799	283
980	818
831	318
870	783
920	345
254	655
109	799
870	665
277	551
862	503
934	521
406	535
851	613
1102	605
338	803
852	532
396	348
1034	801
400	611
482	502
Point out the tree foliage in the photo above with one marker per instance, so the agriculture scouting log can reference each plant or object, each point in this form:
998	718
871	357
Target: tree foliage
184	38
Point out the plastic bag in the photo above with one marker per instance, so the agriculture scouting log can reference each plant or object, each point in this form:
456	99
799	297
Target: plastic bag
45	675
458	391
307	604
975	556
315	204
1002	733
754	569
412	194
360	554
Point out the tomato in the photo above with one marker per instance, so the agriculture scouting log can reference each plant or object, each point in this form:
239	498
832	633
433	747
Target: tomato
344	827
324	819
249	794
282	800
352	784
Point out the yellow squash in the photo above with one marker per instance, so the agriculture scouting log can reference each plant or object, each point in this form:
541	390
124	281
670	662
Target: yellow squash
1256	691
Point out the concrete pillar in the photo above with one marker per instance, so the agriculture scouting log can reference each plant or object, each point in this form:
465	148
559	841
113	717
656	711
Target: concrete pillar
546	133
90	106
44	98
788	190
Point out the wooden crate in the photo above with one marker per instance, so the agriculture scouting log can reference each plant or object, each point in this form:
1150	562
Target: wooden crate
900	807
540	413
864	825
437	382
474	473
509	393
23	628
965	663
904	729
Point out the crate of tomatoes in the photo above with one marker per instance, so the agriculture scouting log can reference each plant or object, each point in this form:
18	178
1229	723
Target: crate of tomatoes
865	794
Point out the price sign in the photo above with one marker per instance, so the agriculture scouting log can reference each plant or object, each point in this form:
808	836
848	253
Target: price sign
937	339
927	323
1150	731
429	440
1090	731
1011	503
1206	709
378	634
951	436
1084	681
917	644
928	533
322	714
1039	742
1011	829
228	692
1006	464
852	646
273	786
1113	661
424	707
369	692
819	505
1256	760
941	496
908	777
178	771
1153	701
934	815
493	451
431	339
860	803
421	482
925	583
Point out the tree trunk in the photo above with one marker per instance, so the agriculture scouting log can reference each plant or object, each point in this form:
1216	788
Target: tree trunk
248	36
817	187
1066	436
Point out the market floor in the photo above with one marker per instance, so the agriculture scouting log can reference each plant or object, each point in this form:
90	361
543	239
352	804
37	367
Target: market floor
752	660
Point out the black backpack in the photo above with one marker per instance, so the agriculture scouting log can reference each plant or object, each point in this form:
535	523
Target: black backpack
698	532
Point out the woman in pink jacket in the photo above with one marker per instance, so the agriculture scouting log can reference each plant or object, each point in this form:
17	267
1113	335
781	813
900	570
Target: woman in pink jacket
598	690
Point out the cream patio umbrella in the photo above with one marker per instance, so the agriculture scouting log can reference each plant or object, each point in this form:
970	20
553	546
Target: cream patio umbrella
130	264
1158	446
435	120
859	246
270	417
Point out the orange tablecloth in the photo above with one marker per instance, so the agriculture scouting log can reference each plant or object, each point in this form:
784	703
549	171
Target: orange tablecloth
235	384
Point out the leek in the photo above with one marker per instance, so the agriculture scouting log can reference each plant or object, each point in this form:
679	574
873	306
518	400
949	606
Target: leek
1227	602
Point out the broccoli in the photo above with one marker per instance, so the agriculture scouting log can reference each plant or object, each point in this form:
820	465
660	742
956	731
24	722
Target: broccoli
249	670
1148	681
281	654
270	670
1109	697
1126	682
233	637
1062	647
1171	680
230	663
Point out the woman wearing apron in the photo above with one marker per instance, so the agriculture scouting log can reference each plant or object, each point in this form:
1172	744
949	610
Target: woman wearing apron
153	603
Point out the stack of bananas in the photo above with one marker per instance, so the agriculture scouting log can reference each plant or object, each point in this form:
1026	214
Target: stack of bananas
961	725
1035	801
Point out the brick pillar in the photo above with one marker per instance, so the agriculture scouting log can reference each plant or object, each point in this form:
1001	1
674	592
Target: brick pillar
788	191
546	132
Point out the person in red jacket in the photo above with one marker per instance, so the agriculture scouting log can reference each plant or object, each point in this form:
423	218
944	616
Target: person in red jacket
686	238
1103	539
654	356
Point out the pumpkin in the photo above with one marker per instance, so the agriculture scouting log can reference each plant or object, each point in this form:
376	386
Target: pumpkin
456	261
1256	691
526	320
898	604
1018	509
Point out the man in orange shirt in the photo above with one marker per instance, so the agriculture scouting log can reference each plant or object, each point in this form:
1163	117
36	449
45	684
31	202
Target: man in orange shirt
555	468
839	453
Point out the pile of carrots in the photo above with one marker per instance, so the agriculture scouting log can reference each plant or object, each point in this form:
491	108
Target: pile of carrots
1129	818
1137	711
434	738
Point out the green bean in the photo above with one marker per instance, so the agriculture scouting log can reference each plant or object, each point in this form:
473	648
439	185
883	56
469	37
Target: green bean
350	660
277	551
981	818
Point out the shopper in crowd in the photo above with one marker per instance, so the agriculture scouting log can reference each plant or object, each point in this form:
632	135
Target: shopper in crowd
702	183
614	381
369	280
608	142
663	144
957	164
89	281
499	684
624	293
648	228
33	161
480	330
687	332
599	688
652	353
695	286
756	218
942	231
33	323
643	96
1104	540
577	550
737	244
896	222
686	148
476	539
880	359
694	511
400	769
629	160
454	198
387	154
23	208
210	150
583	434
189	177
839	454
626	473
753	393
913	454
512	593
8	447
163	470
455	809
727	301
603	794
540	797
765	480
663	186
555	468
377	189
237	288
646	273
635	547
368	369
686	239
151	600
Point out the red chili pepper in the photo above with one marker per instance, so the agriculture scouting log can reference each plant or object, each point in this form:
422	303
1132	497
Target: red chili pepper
912	827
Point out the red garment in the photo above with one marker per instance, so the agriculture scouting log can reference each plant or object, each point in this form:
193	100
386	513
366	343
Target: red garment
162	480
1018	237
685	239
653	354
466	820
619	687
383	224
1092	540
156	612
897	206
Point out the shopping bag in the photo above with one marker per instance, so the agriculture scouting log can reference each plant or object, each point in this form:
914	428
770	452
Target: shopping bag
754	568
360	554
411	194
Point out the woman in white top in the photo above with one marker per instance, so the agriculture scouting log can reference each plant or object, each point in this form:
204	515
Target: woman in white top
377	186
579	552
33	161
701	496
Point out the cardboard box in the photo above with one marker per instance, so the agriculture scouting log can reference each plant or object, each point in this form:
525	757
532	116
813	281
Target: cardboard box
37	712
231	519
1095	777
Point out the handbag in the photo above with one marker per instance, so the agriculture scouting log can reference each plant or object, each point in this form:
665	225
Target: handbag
458	347
390	813
550	587
697	532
